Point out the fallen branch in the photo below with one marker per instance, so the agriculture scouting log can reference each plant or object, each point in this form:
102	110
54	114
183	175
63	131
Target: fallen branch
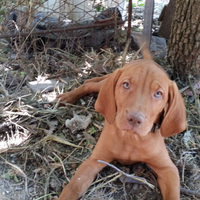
129	176
190	192
71	65
125	51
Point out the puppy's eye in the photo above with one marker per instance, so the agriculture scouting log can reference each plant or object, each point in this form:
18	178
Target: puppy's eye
126	85
158	95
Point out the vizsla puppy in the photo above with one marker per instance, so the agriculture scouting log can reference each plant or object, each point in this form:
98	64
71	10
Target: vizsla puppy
141	106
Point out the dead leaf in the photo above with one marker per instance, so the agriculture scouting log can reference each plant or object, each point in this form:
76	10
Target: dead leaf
78	122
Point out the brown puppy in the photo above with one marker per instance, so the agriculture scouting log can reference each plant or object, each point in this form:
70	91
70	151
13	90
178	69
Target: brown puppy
141	106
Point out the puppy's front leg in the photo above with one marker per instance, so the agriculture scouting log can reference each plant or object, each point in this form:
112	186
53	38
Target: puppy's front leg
168	178
82	179
169	183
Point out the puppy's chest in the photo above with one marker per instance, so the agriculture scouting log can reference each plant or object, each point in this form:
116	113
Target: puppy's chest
133	154
137	151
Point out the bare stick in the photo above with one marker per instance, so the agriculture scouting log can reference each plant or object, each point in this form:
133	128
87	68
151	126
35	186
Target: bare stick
140	179
190	192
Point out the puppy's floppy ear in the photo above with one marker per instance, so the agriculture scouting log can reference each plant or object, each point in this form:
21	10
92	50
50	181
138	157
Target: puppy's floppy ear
105	103
175	117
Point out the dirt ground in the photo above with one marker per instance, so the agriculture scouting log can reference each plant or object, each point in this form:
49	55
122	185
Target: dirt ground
39	154
44	160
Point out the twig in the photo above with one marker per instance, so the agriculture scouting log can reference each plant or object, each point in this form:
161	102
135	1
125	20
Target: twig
4	90
61	30
15	167
47	184
138	51
58	139
71	65
183	163
21	84
110	176
183	89
62	166
125	51
143	180
159	52
117	175
196	98
50	194
106	51
74	151
193	126
190	192
111	180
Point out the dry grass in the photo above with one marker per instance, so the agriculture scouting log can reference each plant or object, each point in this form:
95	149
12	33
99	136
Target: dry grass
38	151
39	155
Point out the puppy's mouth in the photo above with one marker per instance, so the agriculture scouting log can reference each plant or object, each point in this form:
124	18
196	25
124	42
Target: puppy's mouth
140	130
137	130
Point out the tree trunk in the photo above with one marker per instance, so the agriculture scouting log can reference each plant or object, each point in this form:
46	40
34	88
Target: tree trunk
184	42
166	18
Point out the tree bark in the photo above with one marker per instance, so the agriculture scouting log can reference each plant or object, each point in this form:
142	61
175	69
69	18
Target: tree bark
167	18
184	42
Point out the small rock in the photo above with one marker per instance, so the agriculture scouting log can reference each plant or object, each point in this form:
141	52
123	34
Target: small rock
158	45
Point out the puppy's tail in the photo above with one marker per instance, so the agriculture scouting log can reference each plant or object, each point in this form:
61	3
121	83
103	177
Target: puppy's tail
143	44
146	52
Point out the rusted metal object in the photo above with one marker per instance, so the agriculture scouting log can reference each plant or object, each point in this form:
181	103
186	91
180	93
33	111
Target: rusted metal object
60	30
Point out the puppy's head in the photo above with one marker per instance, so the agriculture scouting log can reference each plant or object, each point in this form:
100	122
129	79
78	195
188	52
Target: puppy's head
135	96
